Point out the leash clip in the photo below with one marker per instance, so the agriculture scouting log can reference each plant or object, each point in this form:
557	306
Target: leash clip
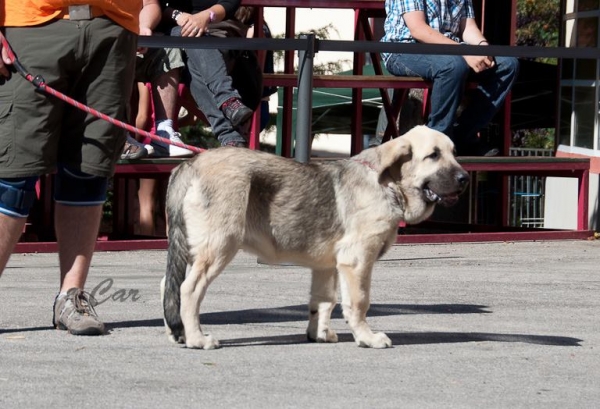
38	81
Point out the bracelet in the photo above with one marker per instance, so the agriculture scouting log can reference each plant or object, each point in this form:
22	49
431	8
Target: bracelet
175	14
211	16
483	41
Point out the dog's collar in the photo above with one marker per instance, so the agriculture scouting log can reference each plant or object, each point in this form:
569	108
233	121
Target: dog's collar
367	164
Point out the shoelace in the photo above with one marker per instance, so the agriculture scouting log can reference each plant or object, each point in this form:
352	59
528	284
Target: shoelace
176	137
84	303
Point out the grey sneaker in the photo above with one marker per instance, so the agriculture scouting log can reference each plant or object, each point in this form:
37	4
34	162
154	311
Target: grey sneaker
236	111
75	313
133	150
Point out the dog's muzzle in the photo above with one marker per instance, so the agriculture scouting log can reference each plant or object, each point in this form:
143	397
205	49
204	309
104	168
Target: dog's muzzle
439	195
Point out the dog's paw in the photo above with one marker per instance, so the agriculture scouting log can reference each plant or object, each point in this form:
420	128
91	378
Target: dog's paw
176	340
377	340
328	336
202	342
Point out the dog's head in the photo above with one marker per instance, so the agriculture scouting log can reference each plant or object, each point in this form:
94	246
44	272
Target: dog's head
421	167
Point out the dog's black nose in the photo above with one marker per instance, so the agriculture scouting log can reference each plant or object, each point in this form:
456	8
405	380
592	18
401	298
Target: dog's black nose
462	178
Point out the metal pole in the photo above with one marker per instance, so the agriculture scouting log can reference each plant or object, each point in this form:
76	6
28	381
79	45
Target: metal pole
304	103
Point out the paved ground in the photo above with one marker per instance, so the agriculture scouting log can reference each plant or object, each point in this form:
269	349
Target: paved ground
496	325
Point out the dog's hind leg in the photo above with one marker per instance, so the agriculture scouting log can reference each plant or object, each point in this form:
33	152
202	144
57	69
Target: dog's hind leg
355	284
162	301
203	271
322	301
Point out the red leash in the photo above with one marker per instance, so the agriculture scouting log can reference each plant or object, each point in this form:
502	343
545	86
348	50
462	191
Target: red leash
39	82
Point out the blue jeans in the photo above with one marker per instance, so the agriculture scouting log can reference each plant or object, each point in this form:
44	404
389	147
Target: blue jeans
449	74
211	86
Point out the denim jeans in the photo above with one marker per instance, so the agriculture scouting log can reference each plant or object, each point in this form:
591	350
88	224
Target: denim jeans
211	86
449	74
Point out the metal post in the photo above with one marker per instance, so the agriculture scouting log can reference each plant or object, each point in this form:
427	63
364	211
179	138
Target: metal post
304	103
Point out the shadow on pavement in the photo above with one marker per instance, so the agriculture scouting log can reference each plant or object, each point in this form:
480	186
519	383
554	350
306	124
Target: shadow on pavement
300	313
418	338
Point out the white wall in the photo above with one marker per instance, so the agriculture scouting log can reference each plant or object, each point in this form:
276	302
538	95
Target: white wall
306	19
560	210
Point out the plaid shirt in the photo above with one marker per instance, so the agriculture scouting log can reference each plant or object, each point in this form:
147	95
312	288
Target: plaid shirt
441	15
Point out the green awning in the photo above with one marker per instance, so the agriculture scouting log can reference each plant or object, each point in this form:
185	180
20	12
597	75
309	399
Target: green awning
332	108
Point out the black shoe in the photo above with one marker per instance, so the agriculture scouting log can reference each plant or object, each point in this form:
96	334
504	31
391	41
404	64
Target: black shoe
237	144
235	111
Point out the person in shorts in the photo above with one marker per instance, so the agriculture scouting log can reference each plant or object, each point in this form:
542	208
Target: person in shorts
160	69
88	53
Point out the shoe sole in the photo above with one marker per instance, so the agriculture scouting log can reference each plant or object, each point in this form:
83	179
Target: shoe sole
141	154
88	331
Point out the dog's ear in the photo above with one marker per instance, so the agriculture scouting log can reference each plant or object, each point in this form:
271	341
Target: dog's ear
392	155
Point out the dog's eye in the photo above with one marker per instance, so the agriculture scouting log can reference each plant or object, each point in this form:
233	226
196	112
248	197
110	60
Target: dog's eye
434	155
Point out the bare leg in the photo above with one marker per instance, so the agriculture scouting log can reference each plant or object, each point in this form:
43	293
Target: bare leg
147	202
10	232
76	232
144	112
165	96
322	301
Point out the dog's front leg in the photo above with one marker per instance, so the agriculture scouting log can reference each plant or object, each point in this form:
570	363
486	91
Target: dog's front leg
322	301
193	290
355	289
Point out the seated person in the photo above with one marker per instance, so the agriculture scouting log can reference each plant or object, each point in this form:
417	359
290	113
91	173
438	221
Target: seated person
450	22
210	84
245	14
159	67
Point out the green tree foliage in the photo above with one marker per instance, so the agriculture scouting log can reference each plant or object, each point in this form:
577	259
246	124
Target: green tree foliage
538	23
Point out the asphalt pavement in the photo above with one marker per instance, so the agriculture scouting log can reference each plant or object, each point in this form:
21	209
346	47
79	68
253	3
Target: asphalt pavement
483	325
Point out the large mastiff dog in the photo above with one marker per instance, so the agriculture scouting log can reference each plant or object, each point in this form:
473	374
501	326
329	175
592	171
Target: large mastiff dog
336	218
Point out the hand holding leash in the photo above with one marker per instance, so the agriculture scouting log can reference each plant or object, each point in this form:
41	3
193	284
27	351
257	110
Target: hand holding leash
5	52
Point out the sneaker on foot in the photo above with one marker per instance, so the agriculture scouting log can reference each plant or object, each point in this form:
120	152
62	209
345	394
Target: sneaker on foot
164	150
236	111
133	149
237	144
75	313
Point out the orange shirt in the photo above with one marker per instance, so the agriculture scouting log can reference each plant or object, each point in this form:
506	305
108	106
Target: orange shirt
26	13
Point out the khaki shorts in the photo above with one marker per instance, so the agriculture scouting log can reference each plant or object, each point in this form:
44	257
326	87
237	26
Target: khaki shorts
157	61
92	61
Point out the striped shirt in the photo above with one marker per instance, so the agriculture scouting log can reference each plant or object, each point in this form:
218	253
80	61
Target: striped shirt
444	16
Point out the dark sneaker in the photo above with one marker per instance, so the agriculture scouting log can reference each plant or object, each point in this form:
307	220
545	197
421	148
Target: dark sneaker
235	111
237	144
75	313
171	151
133	150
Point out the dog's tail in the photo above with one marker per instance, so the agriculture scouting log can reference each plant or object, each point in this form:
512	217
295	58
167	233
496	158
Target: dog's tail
178	251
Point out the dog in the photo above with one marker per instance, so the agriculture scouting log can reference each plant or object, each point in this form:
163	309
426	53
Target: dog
336	218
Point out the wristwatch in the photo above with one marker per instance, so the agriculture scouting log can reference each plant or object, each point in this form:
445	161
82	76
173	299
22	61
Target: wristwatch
211	16
175	14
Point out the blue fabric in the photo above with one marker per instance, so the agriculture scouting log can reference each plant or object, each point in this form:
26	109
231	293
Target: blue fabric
211	86
75	188
17	195
449	74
